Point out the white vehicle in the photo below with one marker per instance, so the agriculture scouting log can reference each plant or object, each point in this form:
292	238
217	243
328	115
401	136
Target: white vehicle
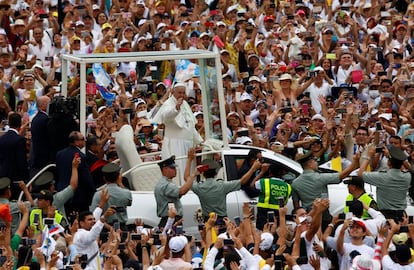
144	205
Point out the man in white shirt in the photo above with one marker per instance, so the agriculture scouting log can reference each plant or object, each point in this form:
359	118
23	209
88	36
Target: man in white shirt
91	225
357	231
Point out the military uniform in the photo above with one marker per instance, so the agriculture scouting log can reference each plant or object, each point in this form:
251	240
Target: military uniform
44	181
392	187
212	194
309	186
118	196
167	192
14	209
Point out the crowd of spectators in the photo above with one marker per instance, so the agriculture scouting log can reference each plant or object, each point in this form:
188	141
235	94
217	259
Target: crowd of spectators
326	83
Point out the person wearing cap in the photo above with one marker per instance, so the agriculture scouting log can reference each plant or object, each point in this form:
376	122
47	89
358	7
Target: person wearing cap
226	66
166	191
212	192
90	227
180	254
285	89
392	185
246	106
86	188
180	134
119	196
16	37
5	198
272	187
357	192
46	181
144	132
357	232
311	184
45	209
403	252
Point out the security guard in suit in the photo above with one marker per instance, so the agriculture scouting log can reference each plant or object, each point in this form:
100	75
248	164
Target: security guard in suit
357	192
392	185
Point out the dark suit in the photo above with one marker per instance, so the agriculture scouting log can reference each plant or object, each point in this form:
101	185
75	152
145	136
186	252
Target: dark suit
86	187
40	148
13	159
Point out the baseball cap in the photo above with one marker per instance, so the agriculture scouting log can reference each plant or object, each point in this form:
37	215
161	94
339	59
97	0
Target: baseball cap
318	117
245	96
45	195
354	180
106	25
177	243
360	223
266	241
254	78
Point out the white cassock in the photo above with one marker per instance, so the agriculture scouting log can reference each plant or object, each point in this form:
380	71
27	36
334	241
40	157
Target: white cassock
179	134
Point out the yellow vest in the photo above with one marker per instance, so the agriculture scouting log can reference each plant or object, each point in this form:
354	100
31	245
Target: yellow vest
58	218
271	190
365	198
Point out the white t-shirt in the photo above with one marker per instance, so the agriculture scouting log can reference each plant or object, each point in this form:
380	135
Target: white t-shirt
349	248
389	264
314	91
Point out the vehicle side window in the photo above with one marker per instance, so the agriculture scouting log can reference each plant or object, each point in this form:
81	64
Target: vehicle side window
231	167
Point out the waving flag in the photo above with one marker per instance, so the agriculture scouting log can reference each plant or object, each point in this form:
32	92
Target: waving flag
103	80
55	229
48	243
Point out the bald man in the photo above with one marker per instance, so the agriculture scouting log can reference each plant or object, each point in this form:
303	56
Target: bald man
180	133
40	154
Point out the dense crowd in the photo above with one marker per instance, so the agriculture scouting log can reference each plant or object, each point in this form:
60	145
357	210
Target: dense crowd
326	83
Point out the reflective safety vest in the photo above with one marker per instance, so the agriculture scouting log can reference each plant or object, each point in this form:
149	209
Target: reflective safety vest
58	218
365	198
271	190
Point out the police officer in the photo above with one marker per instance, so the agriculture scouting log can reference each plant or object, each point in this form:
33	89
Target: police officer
119	196
46	182
167	192
392	185
271	189
357	192
5	195
311	184
45	209
212	192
